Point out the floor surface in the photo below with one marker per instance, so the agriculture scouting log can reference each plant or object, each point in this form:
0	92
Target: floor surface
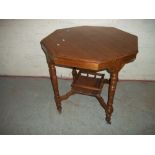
27	107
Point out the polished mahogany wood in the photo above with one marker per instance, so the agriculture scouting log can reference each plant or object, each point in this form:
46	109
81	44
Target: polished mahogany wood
87	50
90	47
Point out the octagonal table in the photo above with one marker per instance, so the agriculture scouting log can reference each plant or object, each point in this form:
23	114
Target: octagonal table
88	50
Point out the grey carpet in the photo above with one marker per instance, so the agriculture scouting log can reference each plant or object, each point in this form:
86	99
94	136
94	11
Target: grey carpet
27	107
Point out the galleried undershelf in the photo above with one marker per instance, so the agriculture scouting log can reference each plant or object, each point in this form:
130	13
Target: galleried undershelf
88	50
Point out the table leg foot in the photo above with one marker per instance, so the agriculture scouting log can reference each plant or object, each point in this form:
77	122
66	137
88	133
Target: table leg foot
109	111
108	119
58	105
59	109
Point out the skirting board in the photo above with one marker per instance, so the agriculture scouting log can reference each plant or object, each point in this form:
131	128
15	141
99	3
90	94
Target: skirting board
66	78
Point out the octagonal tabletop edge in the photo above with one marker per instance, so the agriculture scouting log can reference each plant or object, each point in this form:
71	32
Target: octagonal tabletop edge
91	47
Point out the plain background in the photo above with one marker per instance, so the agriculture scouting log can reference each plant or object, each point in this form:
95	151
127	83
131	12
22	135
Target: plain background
21	54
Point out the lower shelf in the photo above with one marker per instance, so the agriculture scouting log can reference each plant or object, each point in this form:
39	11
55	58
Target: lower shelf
88	83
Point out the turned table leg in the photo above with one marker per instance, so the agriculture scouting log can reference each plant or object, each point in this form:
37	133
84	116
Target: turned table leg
54	81
111	93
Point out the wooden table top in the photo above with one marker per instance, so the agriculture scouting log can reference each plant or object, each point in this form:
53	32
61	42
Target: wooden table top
90	47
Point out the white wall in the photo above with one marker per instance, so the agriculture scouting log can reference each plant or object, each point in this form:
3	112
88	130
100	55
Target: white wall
20	52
